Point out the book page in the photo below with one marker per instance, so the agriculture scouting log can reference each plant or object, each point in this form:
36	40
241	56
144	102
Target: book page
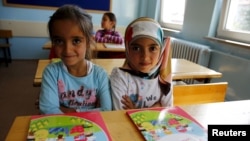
167	124
110	45
84	126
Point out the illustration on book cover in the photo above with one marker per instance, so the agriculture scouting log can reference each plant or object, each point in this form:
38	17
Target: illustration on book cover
172	124
86	126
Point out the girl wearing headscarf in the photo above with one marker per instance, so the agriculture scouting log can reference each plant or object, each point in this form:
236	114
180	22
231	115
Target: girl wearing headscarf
145	78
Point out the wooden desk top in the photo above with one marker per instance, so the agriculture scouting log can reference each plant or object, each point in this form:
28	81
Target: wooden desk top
98	47
181	69
122	129
47	45
184	69
101	47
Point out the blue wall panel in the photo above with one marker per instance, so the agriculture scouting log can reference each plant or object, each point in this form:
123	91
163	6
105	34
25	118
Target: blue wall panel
235	71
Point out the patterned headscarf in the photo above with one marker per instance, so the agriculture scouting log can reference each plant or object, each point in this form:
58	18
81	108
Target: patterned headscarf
147	27
144	27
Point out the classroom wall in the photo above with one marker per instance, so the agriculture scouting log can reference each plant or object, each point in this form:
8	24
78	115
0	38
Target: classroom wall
235	70
201	20
30	26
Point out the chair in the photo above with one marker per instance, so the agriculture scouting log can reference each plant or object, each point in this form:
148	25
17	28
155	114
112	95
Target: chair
5	46
199	93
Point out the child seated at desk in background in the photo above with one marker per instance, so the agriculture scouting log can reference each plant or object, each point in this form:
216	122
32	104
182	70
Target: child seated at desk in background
108	34
145	78
73	84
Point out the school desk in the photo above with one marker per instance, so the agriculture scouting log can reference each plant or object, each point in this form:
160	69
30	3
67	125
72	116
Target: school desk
181	69
121	128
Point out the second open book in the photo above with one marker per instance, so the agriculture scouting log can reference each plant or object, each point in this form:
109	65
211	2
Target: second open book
167	124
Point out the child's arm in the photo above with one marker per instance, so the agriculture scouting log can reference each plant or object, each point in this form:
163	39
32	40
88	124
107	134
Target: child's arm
128	104
108	38
167	99
99	37
104	100
157	104
48	99
67	110
118	88
116	38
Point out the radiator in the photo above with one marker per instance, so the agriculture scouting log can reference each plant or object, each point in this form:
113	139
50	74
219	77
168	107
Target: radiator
194	52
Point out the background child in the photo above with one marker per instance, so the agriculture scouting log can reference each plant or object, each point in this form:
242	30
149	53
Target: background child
108	34
73	84
145	78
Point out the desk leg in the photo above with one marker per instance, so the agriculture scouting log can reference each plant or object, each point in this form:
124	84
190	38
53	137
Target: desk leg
6	58
9	55
206	80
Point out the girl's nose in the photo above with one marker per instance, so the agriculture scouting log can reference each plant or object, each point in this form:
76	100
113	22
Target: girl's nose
144	54
67	46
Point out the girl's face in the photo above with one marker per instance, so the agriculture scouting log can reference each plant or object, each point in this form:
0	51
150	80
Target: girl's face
144	54
107	24
69	42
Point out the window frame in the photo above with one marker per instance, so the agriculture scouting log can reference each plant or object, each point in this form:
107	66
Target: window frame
222	32
169	25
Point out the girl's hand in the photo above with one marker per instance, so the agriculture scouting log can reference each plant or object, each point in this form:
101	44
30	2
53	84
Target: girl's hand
97	105
157	104
128	104
67	110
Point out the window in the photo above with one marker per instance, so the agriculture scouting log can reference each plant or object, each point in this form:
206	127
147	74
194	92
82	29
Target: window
235	20
172	14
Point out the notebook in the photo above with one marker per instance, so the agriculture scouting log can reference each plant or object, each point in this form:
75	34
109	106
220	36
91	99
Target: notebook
84	126
167	124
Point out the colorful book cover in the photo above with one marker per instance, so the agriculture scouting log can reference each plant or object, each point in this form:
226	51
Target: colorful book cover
84	126
167	124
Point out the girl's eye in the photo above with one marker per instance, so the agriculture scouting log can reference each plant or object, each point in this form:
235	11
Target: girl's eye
135	48
76	41
57	42
153	48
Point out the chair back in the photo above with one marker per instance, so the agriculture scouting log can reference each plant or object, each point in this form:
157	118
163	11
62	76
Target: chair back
199	93
5	33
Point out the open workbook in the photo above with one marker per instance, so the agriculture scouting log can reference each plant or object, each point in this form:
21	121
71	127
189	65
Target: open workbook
85	126
167	124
